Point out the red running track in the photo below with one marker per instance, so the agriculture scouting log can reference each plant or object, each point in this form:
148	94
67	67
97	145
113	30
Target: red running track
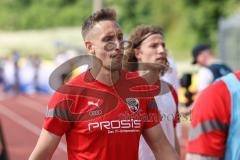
22	117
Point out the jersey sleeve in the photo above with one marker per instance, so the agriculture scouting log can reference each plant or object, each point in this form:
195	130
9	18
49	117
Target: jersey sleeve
210	121
153	115
57	119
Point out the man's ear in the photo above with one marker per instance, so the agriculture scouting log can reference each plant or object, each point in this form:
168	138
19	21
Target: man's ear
137	53
90	47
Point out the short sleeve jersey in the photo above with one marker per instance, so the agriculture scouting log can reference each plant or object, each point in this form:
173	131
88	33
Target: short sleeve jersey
100	121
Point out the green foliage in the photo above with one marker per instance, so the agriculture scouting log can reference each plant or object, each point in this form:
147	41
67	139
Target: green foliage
39	14
185	22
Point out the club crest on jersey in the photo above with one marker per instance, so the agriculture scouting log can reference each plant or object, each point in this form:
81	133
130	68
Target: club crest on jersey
133	104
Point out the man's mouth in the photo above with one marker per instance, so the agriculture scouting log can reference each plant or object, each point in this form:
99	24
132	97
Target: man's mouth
161	59
116	56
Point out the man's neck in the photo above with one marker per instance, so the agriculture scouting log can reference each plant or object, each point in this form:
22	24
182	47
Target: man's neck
106	76
211	61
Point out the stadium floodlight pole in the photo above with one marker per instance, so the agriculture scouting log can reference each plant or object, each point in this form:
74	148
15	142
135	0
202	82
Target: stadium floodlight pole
97	5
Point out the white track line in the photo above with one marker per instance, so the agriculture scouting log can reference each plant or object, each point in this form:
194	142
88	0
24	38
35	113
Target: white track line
34	105
26	124
29	97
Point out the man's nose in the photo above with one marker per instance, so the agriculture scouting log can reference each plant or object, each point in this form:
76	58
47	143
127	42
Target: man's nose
117	45
161	49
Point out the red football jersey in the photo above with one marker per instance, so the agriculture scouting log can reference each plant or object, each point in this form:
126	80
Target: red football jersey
101	121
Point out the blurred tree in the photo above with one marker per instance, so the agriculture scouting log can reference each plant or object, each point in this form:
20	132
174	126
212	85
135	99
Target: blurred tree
203	16
185	22
39	14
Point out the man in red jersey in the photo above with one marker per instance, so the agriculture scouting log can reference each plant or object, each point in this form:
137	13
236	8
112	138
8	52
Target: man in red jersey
102	119
214	133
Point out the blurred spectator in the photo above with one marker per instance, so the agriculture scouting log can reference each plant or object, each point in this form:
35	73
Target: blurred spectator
38	75
36	62
8	74
211	68
44	72
1	77
1	70
16	58
26	76
63	57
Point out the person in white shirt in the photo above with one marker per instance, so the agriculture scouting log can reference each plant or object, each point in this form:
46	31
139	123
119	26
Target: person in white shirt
148	46
211	68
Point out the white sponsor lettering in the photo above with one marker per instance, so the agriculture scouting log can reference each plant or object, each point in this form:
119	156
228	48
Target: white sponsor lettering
115	124
93	125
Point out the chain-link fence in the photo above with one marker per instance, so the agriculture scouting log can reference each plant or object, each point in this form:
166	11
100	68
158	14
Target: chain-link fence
229	41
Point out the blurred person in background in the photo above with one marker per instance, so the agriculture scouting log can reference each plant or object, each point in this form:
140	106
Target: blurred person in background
31	76
1	77
1	70
44	71
11	73
149	47
211	68
36	63
26	75
64	57
214	132
39	73
16	58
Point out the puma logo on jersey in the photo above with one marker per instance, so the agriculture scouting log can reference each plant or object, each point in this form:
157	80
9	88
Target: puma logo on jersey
90	103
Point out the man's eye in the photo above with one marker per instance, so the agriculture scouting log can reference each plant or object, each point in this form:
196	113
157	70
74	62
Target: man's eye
154	45
163	45
107	39
120	38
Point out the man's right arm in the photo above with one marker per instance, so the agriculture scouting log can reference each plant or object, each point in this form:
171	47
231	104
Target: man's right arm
46	145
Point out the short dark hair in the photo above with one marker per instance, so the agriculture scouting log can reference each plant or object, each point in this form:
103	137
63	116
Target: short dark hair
197	50
101	15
